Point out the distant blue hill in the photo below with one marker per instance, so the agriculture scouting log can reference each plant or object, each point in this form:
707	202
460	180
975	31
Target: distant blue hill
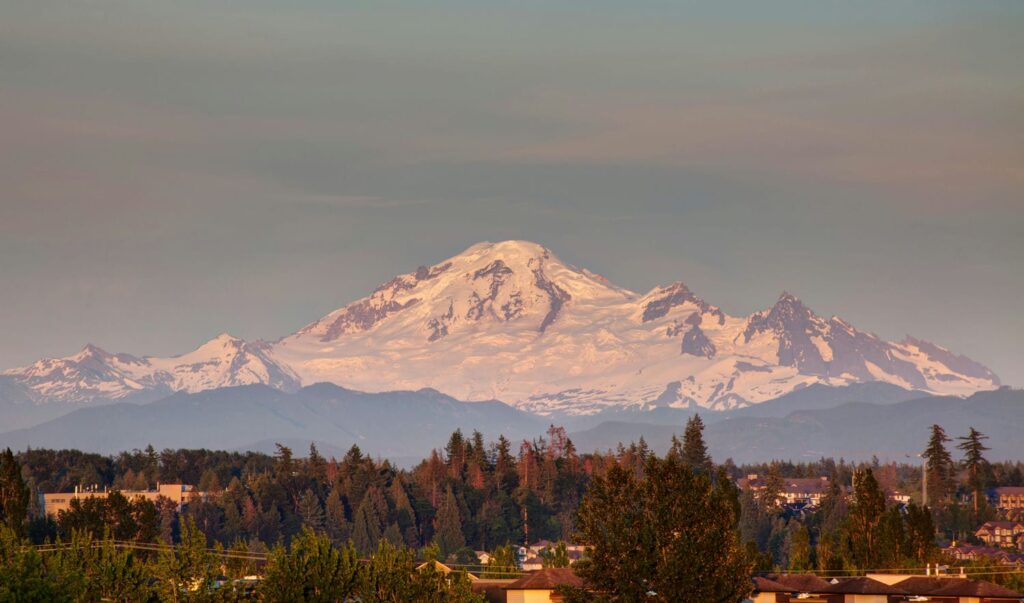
854	430
392	424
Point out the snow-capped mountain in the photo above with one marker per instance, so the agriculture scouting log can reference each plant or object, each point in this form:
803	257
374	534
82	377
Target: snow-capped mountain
95	375
511	321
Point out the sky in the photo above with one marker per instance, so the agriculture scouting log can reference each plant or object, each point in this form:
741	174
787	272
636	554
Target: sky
173	170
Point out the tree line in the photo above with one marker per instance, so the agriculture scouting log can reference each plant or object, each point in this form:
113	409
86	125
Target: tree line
472	496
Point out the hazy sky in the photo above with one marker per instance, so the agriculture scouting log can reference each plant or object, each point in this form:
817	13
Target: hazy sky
171	170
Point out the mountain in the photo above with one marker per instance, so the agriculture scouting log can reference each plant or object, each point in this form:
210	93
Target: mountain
254	417
511	321
854	430
95	375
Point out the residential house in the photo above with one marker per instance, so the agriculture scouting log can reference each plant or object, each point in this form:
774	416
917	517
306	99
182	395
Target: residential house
539	587
877	588
1004	534
1006	498
795	490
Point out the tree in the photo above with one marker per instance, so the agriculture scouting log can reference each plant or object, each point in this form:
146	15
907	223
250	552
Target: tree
799	547
695	451
769	495
974	462
24	577
186	572
866	512
14	495
504	563
367	531
311	570
920	534
448	527
670	534
311	512
556	556
938	467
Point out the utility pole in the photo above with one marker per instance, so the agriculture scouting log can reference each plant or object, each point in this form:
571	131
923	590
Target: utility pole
924	480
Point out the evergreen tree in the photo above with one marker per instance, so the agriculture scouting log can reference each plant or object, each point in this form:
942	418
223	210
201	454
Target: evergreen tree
866	511
366	532
504	563
14	495
799	547
186	572
695	451
556	556
769	496
311	512
312	570
938	467
975	463
667	537
448	527
337	525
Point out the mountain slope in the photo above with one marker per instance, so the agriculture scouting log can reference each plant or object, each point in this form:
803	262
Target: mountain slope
391	424
511	321
855	430
94	375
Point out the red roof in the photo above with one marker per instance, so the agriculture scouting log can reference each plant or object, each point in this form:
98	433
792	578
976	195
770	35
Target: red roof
864	586
547	579
955	587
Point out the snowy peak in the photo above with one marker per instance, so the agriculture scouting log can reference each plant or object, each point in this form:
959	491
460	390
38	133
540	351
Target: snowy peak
512	321
94	374
516	283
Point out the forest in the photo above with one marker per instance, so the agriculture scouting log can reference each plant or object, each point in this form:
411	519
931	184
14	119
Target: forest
472	496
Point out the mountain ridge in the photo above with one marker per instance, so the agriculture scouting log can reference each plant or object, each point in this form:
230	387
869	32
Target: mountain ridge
513	322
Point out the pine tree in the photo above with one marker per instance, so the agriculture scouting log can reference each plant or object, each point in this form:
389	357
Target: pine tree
312	570
556	556
448	527
669	534
695	451
367	531
974	462
866	511
338	526
311	512
938	467
14	495
769	496
799	547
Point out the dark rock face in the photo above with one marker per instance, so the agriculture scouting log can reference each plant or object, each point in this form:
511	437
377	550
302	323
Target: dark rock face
556	297
674	295
695	342
498	272
439	326
794	324
364	314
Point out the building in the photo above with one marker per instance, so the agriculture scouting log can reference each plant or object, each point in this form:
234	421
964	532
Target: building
1004	534
179	494
1007	497
539	587
973	552
807	491
877	588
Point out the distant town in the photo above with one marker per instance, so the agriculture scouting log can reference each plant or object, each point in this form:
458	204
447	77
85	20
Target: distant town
535	521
